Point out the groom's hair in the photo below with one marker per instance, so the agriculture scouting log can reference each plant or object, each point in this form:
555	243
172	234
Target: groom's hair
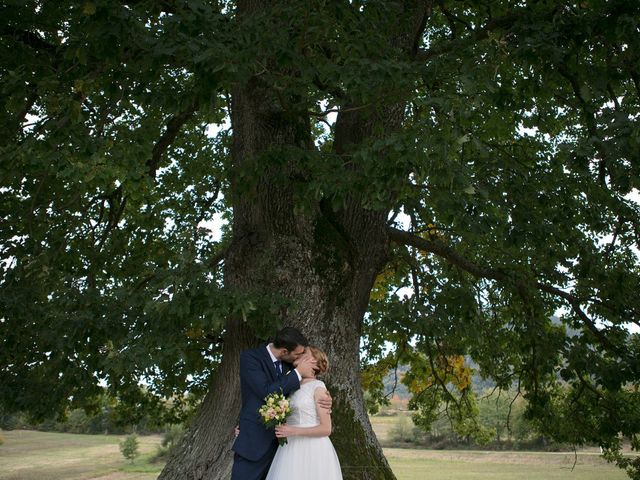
289	338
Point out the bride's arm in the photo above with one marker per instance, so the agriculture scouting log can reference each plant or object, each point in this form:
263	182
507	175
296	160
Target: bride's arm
321	430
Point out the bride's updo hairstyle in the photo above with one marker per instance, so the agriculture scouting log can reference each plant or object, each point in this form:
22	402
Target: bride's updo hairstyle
322	362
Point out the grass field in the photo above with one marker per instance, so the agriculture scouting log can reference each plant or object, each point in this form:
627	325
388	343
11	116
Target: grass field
28	455
410	464
469	465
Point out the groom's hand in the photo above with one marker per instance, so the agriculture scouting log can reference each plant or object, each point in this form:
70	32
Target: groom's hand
305	366
325	401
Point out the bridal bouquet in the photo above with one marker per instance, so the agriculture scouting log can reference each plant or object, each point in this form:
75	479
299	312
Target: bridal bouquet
275	411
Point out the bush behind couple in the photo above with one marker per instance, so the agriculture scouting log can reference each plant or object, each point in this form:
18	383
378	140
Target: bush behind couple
290	366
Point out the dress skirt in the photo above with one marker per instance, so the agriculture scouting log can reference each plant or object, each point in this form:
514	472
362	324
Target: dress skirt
306	458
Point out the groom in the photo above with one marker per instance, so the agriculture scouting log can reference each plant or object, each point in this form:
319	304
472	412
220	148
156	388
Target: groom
264	370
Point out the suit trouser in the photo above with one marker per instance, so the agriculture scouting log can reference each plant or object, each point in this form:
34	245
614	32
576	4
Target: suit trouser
244	469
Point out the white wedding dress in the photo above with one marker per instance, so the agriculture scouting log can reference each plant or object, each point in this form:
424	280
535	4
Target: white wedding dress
305	458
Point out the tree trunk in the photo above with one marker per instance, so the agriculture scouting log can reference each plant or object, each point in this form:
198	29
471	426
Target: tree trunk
321	265
328	293
324	278
316	264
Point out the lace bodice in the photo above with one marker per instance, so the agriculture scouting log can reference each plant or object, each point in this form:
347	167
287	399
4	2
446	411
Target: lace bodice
303	405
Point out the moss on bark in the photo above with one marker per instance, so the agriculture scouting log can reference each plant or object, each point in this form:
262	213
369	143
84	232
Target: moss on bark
360	455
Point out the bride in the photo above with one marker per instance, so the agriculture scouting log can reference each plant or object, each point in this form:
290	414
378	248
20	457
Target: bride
309	453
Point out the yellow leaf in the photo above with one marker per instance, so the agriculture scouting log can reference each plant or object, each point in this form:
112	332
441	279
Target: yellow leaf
89	8
379	290
195	333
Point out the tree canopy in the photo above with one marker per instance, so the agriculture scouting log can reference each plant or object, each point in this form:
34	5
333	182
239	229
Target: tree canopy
509	182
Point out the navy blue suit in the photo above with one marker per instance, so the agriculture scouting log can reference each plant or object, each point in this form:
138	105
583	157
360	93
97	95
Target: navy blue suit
256	445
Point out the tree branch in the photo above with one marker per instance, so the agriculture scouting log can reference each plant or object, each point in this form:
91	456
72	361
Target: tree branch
173	128
452	19
334	90
636	81
575	305
29	38
444	251
337	110
424	13
166	6
215	260
610	248
589	118
117	202
477	35
440	249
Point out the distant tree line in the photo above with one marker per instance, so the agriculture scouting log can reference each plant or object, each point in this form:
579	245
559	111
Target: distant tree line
107	416
500	420
495	418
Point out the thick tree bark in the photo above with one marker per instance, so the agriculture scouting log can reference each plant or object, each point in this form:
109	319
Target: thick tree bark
329	310
327	285
322	264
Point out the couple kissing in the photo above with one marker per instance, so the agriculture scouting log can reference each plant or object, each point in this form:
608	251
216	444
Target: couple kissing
287	365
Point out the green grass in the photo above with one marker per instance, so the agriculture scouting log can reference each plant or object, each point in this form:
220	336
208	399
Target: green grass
382	424
412	464
28	455
456	465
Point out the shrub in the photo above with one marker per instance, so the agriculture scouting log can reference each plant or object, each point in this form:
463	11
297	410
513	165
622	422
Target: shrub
129	447
403	430
14	421
172	436
77	422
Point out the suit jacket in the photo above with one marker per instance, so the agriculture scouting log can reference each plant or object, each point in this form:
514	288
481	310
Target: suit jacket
258	378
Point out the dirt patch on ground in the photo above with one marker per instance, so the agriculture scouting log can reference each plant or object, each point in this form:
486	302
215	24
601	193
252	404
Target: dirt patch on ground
125	476
513	458
113	476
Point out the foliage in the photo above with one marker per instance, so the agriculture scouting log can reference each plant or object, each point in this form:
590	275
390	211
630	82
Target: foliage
108	419
461	405
129	447
504	413
172	435
372	377
630	464
403	430
509	186
499	416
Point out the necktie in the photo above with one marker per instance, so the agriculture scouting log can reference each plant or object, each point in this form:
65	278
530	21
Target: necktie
278	365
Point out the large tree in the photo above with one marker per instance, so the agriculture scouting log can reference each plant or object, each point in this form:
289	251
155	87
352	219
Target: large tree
483	154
